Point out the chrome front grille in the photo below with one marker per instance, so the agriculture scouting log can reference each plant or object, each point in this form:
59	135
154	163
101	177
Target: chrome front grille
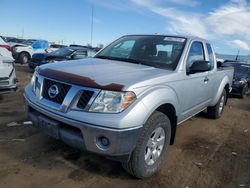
69	97
84	99
63	89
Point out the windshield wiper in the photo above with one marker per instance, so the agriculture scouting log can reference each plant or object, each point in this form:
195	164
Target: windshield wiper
102	57
130	60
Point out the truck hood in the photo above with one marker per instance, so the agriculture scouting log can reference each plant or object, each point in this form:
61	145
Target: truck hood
101	73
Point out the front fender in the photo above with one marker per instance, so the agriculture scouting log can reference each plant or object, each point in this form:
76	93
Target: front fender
157	96
222	86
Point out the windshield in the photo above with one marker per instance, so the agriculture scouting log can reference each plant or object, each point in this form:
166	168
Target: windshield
157	51
62	52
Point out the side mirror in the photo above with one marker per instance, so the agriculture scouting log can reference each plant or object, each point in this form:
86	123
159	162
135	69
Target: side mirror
219	64
200	66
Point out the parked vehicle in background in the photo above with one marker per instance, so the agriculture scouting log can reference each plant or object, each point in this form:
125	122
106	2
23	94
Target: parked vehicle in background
126	102
5	49
54	47
96	49
241	79
14	42
8	81
63	54
23	54
77	45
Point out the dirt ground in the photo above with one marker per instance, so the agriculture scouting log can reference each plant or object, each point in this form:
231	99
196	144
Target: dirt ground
206	153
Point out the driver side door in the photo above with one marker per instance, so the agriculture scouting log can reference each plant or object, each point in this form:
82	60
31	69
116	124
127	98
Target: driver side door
195	85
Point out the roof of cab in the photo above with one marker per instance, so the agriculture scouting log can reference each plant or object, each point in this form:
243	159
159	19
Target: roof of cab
177	36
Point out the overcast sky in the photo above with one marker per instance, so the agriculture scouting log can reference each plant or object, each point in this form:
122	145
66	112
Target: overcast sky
225	23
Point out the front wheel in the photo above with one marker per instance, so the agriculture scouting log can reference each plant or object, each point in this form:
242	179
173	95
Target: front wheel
216	111
23	58
151	146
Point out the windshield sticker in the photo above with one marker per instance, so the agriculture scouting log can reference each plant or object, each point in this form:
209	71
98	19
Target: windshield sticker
174	39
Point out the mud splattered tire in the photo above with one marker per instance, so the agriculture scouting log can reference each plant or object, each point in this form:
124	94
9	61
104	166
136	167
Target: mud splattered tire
216	111
151	146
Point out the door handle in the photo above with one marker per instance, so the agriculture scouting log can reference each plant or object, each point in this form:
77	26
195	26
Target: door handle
206	79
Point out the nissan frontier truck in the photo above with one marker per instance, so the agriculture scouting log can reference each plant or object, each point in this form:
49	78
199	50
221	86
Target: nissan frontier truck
127	101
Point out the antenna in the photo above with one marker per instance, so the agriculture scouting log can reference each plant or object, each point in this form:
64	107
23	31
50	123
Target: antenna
92	24
237	54
22	33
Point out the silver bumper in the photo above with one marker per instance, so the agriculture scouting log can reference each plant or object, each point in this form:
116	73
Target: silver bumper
86	136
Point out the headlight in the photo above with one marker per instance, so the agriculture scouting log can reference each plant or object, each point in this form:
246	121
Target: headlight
33	81
112	101
237	82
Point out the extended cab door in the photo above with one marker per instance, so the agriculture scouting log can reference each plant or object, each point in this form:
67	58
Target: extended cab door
195	85
214	82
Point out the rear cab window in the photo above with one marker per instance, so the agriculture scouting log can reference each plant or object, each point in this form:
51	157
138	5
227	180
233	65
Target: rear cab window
210	55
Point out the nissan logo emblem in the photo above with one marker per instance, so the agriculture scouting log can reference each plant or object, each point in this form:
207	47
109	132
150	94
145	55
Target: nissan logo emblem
53	91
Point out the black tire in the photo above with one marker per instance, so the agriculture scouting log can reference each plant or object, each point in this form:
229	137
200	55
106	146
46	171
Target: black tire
137	165
24	58
215	112
244	91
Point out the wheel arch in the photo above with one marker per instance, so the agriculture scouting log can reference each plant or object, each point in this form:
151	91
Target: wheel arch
224	85
24	52
169	110
227	91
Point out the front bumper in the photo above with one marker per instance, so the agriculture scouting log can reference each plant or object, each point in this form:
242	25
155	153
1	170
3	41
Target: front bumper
9	84
237	89
85	136
32	65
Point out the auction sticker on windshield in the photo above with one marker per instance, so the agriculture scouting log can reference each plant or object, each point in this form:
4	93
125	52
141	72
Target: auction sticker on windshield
174	39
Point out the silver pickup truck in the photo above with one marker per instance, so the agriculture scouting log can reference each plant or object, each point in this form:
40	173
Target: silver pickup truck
126	102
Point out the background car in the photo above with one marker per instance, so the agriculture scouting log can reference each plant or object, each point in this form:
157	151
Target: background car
5	49
8	81
54	47
241	79
23	53
68	53
14	42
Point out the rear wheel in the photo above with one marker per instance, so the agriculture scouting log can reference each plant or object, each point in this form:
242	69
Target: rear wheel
24	58
151	147
216	111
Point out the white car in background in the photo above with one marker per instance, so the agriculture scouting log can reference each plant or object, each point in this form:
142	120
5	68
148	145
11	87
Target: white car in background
8	80
23	53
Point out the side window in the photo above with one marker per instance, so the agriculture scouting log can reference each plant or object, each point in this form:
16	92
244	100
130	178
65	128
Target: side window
196	53
91	53
211	56
122	49
80	54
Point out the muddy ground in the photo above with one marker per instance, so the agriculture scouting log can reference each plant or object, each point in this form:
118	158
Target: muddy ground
207	153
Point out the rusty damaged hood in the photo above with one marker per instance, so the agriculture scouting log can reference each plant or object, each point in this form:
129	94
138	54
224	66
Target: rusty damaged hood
101	73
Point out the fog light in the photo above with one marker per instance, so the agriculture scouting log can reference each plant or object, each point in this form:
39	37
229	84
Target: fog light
102	142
